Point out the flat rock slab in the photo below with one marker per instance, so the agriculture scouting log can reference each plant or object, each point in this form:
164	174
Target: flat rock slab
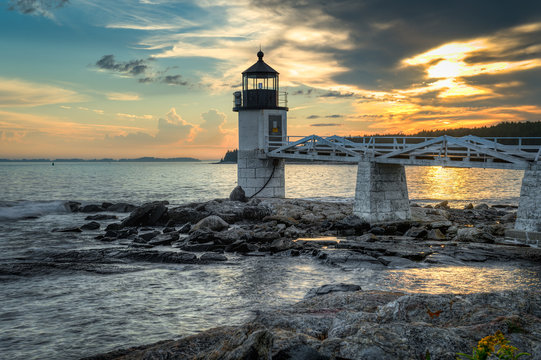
365	325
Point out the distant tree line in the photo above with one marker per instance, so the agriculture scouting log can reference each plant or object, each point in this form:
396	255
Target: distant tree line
230	156
503	129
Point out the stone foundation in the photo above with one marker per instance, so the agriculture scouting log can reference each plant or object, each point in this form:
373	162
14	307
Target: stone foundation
381	194
529	205
253	173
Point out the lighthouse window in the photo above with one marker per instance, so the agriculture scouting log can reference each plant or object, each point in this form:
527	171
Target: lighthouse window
260	85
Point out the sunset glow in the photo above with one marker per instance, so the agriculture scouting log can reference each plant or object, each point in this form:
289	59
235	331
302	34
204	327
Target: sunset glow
155	78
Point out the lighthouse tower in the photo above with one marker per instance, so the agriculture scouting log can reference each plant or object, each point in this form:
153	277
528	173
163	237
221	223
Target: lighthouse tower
262	128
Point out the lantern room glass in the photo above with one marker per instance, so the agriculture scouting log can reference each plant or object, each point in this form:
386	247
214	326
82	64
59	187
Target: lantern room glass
254	82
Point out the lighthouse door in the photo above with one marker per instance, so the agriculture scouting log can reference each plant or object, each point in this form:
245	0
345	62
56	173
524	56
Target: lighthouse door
275	131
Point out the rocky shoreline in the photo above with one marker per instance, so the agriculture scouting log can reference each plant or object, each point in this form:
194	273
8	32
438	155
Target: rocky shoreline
339	321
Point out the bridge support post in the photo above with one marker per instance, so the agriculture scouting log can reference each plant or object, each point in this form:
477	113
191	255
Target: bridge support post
381	193
254	174
529	206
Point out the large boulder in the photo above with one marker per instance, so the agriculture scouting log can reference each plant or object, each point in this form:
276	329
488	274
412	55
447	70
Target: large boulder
212	222
238	194
146	215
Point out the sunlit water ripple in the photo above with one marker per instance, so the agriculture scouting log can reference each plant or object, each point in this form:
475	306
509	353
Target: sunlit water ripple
65	313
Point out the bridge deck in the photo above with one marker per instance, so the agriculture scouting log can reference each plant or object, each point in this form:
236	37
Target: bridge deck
468	151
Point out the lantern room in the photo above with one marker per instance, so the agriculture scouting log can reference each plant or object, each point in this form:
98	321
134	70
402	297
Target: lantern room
260	87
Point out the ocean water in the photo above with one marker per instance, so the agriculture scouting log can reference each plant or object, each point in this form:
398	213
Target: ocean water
66	311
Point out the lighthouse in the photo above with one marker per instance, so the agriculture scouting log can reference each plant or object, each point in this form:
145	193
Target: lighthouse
262	128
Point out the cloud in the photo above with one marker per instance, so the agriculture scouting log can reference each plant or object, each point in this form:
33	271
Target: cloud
134	117
173	128
325	124
313	117
212	131
114	96
20	93
136	68
173	80
36	7
132	67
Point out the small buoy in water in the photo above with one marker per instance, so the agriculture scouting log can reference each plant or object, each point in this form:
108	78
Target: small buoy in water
52	164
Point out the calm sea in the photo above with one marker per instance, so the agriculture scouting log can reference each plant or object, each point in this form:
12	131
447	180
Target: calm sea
64	312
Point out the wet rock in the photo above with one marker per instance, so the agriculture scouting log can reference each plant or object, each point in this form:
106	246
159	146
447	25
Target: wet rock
212	222
473	234
91	208
211	256
265	236
417	233
238	194
435	234
146	215
231	235
241	247
442	205
281	245
468	207
351	222
187	214
200	236
329	288
396	262
114	226
73	206
91	226
184	229
121	207
365	325
164	239
255	212
68	229
299	352
511	217
377	230
168	230
481	207
101	217
146	237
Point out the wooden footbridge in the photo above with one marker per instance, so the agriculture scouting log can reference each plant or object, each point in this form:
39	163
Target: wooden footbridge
381	191
518	153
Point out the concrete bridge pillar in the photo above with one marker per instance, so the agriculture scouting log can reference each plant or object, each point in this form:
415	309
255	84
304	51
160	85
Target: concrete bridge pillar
529	205
381	194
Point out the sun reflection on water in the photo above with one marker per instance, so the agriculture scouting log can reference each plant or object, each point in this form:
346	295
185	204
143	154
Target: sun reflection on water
461	279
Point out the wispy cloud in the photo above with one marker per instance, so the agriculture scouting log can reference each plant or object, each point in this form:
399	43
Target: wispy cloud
37	7
115	96
20	93
325	124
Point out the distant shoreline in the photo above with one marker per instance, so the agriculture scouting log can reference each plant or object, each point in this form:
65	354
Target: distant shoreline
142	159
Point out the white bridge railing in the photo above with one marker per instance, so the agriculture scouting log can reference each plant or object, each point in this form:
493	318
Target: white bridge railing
466	151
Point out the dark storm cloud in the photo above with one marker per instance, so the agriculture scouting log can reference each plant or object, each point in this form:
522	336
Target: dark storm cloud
36	7
384	32
132	67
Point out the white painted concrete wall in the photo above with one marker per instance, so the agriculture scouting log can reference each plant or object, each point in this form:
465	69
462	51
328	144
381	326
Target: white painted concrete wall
253	169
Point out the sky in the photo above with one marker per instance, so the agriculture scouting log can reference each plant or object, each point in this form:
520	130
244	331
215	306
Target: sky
131	78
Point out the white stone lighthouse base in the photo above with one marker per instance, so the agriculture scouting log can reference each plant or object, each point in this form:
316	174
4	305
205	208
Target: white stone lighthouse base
253	173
